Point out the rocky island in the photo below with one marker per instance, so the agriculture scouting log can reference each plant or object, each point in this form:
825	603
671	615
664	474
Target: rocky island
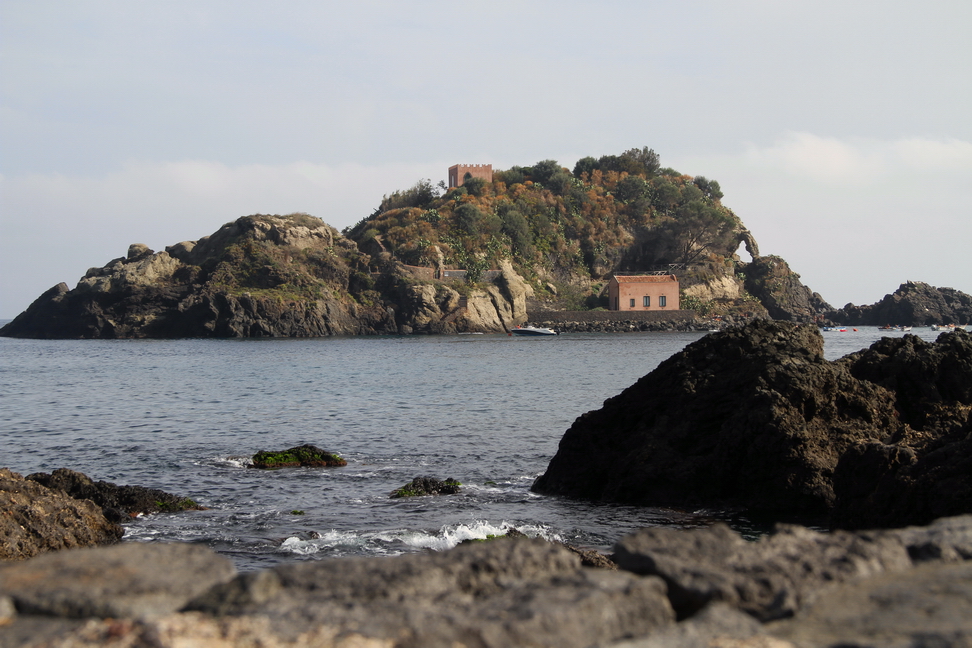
484	256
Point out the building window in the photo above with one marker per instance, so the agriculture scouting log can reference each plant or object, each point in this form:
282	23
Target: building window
632	302
661	301
646	302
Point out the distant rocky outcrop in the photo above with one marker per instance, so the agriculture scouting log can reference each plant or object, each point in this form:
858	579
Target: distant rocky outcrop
264	276
674	589
755	418
771	281
35	519
914	303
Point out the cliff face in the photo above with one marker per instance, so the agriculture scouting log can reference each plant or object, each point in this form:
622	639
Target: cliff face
261	276
771	281
914	303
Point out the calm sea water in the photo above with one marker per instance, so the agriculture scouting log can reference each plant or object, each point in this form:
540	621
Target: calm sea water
185	415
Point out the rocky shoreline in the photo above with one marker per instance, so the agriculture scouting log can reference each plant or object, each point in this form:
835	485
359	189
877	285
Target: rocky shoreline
675	588
878	444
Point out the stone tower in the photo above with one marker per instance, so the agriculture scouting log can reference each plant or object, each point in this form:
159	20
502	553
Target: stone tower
459	173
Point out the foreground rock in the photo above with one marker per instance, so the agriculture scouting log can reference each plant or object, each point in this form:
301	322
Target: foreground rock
500	593
703	587
899	588
118	503
925	473
35	519
305	455
755	418
749	418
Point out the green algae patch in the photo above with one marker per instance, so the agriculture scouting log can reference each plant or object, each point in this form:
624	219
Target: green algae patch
174	504
305	455
427	486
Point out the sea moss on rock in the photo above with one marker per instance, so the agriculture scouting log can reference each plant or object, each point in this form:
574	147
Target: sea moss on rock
427	486
304	455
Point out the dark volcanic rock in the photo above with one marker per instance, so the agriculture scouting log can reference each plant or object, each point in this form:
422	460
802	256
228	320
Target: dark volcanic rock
914	303
926	473
922	375
118	502
35	519
427	486
752	417
305	455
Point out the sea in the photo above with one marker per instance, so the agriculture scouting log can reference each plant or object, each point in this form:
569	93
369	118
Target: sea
185	416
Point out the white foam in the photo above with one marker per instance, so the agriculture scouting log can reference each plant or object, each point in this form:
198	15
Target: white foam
381	542
231	461
326	540
451	535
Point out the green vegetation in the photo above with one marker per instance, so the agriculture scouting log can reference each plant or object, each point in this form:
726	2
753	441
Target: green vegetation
618	212
305	455
426	486
564	231
173	506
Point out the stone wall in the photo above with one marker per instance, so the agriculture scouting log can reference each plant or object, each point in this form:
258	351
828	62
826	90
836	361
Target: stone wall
612	316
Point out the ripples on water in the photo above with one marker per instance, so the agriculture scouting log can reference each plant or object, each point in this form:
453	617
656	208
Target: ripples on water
184	416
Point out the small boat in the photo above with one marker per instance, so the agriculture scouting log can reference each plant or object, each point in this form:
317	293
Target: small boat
532	330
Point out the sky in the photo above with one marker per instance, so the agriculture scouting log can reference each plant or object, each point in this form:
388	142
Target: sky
840	132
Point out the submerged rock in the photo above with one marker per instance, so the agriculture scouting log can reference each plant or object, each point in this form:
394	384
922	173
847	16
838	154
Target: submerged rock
305	455
427	486
35	519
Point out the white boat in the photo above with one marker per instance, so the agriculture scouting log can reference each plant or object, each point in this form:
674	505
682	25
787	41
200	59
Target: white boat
532	330
947	327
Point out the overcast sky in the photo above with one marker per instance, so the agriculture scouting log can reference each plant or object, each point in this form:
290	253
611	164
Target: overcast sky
840	132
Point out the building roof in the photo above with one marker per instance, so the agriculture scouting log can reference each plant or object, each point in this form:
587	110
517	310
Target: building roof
645	278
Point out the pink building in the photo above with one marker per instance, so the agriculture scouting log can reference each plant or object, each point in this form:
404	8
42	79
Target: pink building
643	293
